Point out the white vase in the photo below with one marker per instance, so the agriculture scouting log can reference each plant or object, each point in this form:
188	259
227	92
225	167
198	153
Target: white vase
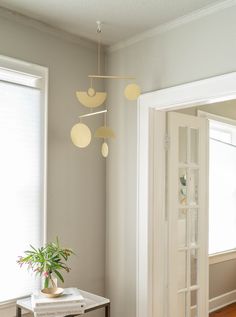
51	283
54	283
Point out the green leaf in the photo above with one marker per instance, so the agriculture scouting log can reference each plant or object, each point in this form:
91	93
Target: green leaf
33	248
57	241
59	275
46	282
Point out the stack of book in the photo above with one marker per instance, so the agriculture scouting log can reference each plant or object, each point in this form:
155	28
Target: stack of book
71	302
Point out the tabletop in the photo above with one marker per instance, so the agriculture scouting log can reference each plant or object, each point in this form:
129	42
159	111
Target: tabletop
92	302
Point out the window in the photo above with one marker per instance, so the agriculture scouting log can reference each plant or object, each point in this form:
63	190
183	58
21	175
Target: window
22	171
222	187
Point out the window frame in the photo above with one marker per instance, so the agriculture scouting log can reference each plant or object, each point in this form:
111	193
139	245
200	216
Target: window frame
229	254
31	75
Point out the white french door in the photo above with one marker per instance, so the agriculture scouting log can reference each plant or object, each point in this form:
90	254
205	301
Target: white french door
187	215
152	221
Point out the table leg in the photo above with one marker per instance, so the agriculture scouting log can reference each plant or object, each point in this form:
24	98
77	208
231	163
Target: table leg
107	310
18	311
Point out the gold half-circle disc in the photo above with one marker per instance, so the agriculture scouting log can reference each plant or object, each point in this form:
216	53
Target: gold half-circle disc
104	132
91	101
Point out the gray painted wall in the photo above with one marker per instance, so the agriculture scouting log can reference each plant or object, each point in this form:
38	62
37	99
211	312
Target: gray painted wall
222	278
200	49
76	178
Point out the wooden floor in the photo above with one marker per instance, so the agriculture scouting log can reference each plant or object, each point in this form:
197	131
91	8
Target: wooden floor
229	311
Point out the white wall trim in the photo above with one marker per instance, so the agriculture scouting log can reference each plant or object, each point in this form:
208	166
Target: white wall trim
44	27
47	28
205	91
218	302
222	301
215	117
198	14
8	309
222	257
143	250
23	67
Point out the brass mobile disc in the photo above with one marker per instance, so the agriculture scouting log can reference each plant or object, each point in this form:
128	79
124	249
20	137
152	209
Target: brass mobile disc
132	92
80	135
105	149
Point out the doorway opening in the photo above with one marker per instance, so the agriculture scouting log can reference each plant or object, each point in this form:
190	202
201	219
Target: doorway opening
152	219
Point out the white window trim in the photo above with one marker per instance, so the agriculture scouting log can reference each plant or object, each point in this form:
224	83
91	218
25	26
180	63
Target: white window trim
41	73
151	251
230	254
39	79
9	305
25	68
222	257
215	117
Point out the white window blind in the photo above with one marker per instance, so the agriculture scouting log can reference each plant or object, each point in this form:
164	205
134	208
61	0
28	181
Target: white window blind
222	188
21	183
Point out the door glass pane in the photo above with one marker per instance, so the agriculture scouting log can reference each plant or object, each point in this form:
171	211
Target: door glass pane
182	304
194	145
193	227
182	228
182	269
185	162
193	298
193	266
193	186
183	138
182	186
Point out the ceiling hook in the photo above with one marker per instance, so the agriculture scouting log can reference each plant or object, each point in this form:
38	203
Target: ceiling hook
99	26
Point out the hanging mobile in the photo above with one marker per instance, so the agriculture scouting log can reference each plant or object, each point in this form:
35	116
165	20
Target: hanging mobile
80	133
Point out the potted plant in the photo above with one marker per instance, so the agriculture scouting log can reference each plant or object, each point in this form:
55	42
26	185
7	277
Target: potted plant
47	261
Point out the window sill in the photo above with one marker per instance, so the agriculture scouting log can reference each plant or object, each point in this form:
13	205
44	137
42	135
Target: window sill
9	308
8	304
222	257
11	303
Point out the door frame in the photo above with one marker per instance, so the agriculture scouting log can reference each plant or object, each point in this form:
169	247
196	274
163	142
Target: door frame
151	225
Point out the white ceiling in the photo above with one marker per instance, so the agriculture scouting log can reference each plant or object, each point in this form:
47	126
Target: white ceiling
122	18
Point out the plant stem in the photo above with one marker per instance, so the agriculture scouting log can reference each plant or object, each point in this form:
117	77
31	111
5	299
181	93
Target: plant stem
51	279
46	281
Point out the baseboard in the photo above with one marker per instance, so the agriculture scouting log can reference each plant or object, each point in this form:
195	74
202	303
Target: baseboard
222	300
218	302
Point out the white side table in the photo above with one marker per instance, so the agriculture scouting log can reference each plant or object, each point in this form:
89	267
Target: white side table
92	302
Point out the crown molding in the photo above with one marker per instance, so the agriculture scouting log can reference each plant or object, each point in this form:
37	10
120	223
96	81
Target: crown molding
198	14
57	32
44	27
